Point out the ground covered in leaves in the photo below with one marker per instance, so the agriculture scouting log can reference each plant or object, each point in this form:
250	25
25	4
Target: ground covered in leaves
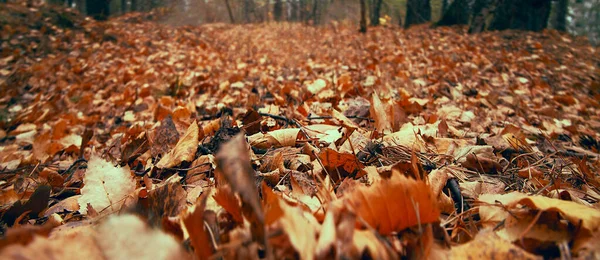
134	139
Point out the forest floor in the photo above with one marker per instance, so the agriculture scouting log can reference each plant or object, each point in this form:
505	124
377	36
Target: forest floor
134	139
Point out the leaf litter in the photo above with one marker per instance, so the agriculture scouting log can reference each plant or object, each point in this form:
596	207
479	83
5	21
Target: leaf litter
288	141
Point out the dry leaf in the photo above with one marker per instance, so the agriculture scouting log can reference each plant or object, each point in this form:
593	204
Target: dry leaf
185	150
394	204
106	187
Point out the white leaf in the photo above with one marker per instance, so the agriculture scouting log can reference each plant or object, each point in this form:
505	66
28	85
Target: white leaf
106	186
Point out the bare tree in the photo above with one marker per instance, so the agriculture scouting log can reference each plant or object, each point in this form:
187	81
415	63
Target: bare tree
229	11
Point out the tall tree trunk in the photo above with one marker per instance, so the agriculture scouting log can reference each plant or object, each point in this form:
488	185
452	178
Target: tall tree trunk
229	11
376	12
561	15
529	15
363	17
98	9
457	13
417	12
134	5
278	10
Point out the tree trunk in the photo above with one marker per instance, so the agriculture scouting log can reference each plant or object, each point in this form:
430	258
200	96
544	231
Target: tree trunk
363	18
481	9
315	12
123	6
278	10
561	15
376	12
229	11
444	6
529	15
293	13
98	9
303	15
457	13
417	12
134	5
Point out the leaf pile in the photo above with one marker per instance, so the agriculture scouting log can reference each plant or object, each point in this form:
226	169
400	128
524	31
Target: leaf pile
287	141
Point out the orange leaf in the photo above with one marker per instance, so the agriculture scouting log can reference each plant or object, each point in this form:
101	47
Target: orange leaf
395	204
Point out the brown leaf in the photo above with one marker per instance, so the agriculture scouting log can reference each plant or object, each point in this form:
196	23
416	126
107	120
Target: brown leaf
185	150
233	161
193	221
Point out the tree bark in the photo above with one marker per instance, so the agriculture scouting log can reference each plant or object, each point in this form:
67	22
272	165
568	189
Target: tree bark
417	12
363	18
376	12
98	9
457	13
561	15
529	15
134	5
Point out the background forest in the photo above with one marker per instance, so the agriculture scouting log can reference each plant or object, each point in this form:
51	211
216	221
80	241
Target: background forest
579	17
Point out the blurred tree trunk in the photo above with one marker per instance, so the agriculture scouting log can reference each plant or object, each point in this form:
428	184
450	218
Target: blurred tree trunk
123	6
376	12
293	16
363	18
70	3
278	10
417	12
457	13
134	5
303	13
561	15
315	12
444	6
529	15
246	10
229	11
98	9
80	5
481	9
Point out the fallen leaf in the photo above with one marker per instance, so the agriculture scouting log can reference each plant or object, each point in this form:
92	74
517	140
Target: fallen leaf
106	187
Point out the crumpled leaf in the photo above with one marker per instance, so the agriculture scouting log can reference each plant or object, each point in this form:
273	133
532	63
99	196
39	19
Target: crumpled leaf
185	150
276	138
383	124
106	186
